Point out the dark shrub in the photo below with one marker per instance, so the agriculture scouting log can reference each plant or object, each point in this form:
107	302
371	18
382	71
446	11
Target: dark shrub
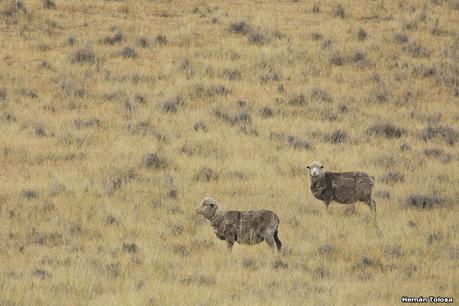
130	247
116	38
417	50
320	95
171	105
153	161
71	40
361	34
423	201
29	194
200	126
143	42
48	4
231	74
298	100
449	134
338	11
205	174
385	129
258	39
83	56
400	38
337	136
242	118
336	59
298	144
316	8
316	36
266	112
392	178
3	94
438	154
240	28
128	52
161	39
40	131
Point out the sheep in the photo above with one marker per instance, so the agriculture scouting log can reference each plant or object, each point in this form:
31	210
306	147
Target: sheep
344	187
244	227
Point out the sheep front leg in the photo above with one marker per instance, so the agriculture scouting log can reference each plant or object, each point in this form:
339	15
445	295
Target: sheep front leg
229	245
327	204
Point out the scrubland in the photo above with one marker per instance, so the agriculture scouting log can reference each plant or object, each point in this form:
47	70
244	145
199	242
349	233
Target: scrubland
118	117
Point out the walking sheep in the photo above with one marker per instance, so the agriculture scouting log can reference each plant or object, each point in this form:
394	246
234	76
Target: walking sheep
343	187
244	227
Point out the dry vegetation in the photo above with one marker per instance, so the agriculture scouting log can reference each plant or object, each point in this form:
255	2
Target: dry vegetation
118	117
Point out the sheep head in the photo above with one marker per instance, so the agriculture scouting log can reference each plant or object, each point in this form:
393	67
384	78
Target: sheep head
209	207
315	168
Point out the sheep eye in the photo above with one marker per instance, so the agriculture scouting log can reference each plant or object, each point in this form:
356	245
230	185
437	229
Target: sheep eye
308	167
212	204
321	167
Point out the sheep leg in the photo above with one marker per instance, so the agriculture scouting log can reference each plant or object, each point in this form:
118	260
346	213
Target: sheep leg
270	241
229	245
372	204
278	242
327	204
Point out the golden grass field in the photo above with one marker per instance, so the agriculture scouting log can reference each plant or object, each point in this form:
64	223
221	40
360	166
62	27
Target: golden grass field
118	117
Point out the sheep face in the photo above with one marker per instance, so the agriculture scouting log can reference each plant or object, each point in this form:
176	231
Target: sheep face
315	168
208	208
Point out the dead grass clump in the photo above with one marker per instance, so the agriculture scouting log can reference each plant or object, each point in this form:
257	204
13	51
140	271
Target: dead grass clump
382	194
326	250
181	250
280	264
298	143
393	251
83	56
336	58
423	201
205	174
448	134
386	130
199	280
316	8
154	161
116	179
249	264
392	177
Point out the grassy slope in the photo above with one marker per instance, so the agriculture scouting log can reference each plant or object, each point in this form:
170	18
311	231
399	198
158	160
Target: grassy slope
93	192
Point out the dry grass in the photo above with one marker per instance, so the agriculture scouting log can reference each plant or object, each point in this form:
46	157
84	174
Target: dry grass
117	117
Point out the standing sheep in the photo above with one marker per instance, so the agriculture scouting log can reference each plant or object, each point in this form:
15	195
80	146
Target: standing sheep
245	227
343	187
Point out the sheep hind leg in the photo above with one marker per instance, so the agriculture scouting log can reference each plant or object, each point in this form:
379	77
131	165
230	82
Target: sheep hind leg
278	242
327	205
271	241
